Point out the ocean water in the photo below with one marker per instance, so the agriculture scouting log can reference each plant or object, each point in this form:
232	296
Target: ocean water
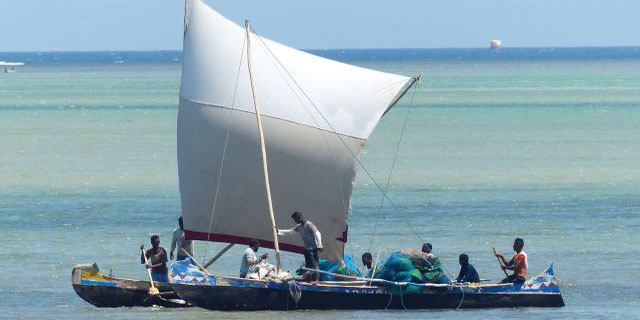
542	144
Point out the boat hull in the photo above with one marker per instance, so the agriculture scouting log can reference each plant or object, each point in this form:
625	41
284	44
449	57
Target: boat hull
249	298
230	293
109	292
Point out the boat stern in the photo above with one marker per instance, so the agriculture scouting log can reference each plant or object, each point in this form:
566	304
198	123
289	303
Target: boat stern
544	282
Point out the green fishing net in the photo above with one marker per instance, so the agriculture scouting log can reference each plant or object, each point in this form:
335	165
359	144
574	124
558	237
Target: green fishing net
413	266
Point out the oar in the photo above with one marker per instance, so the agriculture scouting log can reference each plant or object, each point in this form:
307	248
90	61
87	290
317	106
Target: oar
153	290
500	261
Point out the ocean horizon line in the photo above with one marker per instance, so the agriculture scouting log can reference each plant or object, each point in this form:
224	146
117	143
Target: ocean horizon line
345	55
334	49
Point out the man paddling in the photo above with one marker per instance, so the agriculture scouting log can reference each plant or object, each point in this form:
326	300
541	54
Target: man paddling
312	242
182	244
157	260
518	263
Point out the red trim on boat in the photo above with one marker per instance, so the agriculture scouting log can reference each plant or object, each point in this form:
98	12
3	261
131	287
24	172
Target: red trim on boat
194	235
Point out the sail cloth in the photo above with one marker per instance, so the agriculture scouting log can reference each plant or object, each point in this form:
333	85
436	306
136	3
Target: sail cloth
311	170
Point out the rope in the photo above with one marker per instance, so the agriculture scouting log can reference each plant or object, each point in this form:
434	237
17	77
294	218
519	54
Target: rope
224	152
393	165
390	298
461	300
334	161
335	132
402	300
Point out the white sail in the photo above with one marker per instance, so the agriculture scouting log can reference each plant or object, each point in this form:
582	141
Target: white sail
311	170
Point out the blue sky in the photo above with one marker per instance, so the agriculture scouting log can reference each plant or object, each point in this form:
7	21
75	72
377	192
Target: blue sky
86	25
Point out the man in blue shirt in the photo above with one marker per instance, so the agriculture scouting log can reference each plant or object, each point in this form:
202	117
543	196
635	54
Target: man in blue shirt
467	272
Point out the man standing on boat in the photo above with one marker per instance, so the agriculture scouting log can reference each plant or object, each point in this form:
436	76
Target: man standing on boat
157	257
312	242
518	263
182	244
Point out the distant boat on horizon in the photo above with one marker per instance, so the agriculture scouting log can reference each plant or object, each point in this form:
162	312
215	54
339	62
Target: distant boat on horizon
495	44
10	67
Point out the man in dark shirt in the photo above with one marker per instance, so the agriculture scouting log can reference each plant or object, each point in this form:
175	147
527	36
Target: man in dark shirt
367	260
157	260
467	272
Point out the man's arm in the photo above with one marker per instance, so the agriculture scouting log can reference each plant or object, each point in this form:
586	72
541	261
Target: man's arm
502	259
286	232
318	237
163	256
460	275
251	260
510	265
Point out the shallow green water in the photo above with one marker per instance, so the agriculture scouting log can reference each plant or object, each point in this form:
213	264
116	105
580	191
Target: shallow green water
548	150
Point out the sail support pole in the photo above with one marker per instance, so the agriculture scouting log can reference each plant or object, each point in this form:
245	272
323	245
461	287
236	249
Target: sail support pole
217	256
414	80
276	246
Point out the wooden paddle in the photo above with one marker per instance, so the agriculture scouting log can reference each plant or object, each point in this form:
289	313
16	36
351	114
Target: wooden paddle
500	261
153	290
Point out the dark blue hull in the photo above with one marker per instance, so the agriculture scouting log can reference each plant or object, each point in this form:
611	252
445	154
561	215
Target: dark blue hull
229	293
250	298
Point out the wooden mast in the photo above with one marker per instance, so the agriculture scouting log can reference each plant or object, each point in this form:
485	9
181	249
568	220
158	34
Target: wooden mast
276	246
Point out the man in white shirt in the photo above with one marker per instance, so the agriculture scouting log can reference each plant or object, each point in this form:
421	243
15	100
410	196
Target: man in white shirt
250	262
312	242
181	243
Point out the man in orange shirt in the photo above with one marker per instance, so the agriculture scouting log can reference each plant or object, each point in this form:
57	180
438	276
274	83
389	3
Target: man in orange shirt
518	264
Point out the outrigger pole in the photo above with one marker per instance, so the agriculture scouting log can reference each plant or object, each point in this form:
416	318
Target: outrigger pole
276	246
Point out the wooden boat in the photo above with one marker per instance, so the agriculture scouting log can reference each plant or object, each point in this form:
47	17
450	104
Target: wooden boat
231	293
109	292
311	117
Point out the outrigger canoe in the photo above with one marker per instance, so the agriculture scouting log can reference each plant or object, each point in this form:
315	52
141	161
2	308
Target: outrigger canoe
317	116
215	292
109	292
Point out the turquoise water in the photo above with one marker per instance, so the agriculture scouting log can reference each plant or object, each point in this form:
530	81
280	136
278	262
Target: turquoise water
539	144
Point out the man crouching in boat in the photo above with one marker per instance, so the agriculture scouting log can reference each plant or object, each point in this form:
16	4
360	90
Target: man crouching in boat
312	242
518	264
157	257
253	267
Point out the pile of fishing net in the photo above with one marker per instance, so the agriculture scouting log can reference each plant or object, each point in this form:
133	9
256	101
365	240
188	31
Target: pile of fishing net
348	269
411	265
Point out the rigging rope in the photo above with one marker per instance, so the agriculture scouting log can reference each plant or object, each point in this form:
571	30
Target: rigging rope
334	131
334	161
393	165
224	152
